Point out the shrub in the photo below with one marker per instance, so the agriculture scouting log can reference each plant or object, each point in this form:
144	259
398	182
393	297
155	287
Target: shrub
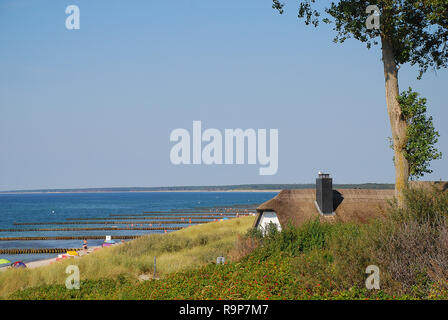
422	206
244	246
293	241
413	254
411	245
314	235
351	250
314	269
254	233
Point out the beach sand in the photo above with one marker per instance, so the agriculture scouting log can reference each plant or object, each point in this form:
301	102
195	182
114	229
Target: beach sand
46	262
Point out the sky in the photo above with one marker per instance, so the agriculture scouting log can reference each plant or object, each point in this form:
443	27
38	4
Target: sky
95	107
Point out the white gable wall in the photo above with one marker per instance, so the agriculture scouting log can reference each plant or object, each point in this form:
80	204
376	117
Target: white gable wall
269	217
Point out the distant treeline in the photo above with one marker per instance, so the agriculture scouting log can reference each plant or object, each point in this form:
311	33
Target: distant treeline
211	188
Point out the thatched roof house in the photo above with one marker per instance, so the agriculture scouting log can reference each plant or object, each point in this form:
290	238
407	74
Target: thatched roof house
298	206
343	205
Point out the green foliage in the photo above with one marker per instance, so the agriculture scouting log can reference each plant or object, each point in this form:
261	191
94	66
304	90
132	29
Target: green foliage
417	29
411	245
254	233
293	241
271	279
315	269
422	206
313	235
351	250
421	135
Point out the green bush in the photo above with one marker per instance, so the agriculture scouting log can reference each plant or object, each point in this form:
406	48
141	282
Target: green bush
411	245
314	269
349	246
422	206
291	240
314	235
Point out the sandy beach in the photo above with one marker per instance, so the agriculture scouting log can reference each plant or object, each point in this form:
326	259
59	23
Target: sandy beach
46	262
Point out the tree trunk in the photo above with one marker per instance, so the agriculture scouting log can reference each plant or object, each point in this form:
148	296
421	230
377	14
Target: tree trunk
397	122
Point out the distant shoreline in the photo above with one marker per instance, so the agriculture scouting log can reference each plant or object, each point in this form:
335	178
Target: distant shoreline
134	191
224	188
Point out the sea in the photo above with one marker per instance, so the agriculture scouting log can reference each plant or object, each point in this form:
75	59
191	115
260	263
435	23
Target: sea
58	207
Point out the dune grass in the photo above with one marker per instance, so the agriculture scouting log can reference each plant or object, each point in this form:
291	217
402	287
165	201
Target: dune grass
181	250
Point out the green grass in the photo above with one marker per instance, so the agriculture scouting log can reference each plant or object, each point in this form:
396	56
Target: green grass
180	250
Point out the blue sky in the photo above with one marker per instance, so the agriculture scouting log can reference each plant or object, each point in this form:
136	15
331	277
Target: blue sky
95	107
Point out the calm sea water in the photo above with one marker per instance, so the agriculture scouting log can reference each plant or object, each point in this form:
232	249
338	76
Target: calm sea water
16	208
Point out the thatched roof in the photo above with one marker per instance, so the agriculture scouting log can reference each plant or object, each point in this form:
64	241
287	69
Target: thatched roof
429	185
355	205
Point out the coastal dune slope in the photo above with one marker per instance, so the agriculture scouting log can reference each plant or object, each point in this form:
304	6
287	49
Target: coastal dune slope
187	248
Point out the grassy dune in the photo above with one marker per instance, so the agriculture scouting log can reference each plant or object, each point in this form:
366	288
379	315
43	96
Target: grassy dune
180	250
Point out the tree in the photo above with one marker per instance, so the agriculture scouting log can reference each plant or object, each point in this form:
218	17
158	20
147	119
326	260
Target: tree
421	135
410	31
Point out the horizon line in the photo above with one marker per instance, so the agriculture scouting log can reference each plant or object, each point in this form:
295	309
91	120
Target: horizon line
251	187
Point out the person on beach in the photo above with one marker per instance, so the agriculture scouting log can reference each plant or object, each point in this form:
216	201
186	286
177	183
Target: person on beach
84	246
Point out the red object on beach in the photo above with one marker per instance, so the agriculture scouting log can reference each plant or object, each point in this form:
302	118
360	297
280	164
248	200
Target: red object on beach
18	264
64	256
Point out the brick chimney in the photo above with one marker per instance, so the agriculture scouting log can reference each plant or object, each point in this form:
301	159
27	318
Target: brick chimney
324	193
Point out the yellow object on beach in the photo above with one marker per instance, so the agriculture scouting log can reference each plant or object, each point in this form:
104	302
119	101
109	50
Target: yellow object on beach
72	253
